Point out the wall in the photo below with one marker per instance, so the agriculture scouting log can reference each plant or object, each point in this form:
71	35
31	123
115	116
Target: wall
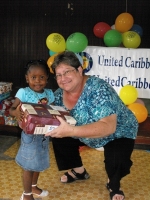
26	24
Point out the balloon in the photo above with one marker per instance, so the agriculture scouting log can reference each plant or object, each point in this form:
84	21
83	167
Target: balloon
131	39
79	58
124	22
56	42
76	42
50	62
128	94
139	110
138	29
113	27
112	38
140	101
100	29
51	53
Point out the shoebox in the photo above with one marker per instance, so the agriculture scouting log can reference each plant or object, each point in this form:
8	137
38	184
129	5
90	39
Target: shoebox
41	118
5	87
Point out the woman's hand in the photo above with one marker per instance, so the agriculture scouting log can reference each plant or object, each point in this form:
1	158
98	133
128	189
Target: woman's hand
63	130
102	128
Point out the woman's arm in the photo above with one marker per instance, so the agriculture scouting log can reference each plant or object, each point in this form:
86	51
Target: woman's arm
101	128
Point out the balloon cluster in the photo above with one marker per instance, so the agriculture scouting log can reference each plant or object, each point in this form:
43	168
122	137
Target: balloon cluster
56	43
128	94
124	31
76	42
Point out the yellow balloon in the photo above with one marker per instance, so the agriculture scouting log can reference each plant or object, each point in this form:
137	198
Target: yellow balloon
139	110
131	39
56	42
128	94
124	22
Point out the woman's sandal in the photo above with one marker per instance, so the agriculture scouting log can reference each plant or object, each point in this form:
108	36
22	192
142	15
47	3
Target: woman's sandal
120	192
44	193
22	196
107	186
78	176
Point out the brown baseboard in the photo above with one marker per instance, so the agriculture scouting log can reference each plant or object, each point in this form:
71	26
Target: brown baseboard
143	136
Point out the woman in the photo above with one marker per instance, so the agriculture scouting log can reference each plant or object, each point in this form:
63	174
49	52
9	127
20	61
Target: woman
102	119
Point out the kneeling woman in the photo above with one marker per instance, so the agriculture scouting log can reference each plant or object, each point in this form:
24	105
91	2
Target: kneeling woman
102	119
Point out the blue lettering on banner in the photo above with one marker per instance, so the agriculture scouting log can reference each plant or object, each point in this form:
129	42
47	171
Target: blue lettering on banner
137	64
127	62
111	61
122	81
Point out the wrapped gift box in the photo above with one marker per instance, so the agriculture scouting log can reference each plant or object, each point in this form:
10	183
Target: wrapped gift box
9	120
5	117
2	120
7	103
5	87
40	118
4	96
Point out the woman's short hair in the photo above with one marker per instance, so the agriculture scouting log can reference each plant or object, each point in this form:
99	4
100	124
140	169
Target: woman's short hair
68	58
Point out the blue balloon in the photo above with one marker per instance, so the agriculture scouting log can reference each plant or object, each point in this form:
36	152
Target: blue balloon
137	28
51	53
79	58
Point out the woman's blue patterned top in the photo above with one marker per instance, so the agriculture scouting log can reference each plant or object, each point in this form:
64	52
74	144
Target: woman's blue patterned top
98	100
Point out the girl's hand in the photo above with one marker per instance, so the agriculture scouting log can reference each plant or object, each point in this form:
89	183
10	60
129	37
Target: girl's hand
63	130
19	113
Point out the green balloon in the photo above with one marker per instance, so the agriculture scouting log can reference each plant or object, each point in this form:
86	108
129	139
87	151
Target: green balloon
112	38
76	42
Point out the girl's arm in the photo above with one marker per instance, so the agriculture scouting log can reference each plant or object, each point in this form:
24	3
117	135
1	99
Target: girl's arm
15	110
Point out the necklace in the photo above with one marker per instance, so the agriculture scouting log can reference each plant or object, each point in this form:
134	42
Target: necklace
43	100
71	99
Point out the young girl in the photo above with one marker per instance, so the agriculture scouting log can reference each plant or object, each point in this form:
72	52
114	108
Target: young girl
33	154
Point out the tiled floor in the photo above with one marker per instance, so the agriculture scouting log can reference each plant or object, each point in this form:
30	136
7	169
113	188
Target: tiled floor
136	186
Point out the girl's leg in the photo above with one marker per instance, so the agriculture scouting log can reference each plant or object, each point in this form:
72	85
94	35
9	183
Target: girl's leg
27	184
35	178
35	189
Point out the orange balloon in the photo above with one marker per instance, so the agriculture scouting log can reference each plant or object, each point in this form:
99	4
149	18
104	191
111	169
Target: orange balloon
139	110
50	62
124	22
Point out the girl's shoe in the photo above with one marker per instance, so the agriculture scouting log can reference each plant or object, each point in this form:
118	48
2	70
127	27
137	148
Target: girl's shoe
22	196
44	193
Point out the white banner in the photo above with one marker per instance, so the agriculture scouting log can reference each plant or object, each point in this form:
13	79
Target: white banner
119	67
